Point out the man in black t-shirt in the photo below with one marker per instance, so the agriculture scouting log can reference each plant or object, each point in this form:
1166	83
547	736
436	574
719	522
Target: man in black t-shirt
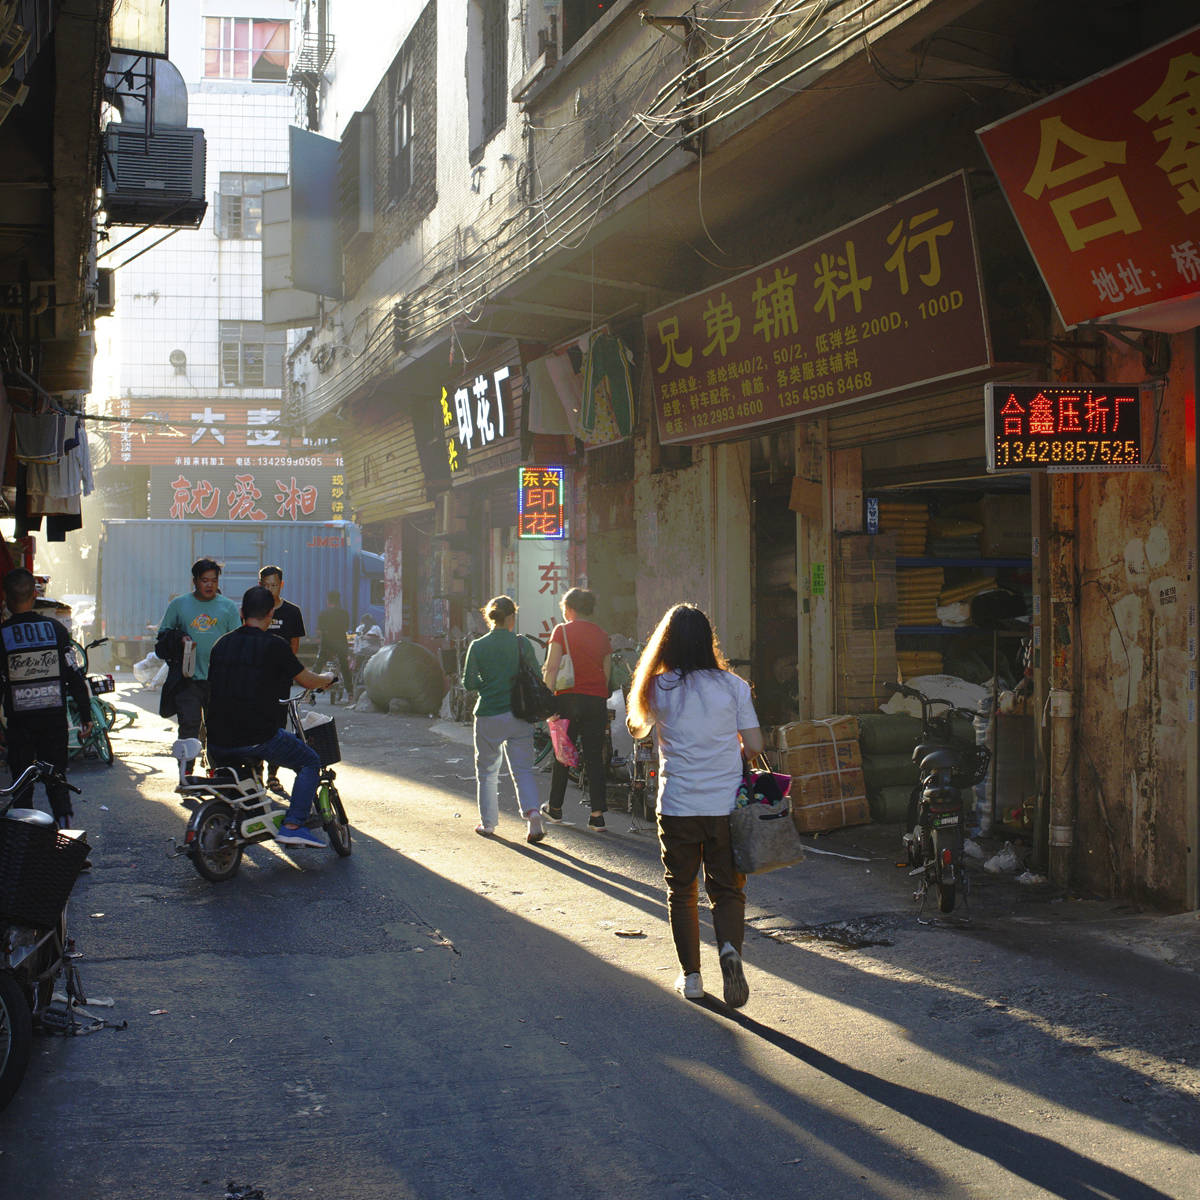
287	622
37	678
246	671
333	625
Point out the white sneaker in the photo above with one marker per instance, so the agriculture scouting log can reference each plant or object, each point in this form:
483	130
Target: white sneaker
690	986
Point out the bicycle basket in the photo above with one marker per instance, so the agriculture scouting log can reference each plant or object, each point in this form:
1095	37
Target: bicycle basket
323	739
973	768
38	869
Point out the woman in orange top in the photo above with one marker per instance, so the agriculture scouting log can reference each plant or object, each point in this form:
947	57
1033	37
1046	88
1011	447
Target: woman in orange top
585	702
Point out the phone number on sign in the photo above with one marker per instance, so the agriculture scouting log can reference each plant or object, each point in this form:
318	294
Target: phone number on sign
1084	450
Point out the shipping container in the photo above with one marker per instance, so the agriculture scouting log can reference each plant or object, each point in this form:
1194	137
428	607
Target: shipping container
145	563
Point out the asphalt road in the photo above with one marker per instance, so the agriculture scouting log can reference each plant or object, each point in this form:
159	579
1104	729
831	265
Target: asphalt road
443	1016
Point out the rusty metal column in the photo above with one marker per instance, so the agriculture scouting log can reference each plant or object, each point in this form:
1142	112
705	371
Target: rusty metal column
1062	634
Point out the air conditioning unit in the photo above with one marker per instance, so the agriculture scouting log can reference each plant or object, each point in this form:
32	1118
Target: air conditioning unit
155	180
356	180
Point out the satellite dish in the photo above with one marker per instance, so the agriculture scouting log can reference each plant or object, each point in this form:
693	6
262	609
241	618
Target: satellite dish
178	360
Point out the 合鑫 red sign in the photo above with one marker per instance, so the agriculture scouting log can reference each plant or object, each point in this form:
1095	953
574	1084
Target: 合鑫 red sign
1104	181
888	302
1063	426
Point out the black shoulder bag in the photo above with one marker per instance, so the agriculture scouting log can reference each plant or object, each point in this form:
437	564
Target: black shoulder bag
530	699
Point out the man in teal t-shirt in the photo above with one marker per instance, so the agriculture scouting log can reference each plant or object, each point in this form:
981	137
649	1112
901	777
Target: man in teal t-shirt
201	616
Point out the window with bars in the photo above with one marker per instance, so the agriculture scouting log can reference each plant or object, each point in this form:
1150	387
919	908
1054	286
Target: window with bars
400	103
246	48
238	206
487	69
251	355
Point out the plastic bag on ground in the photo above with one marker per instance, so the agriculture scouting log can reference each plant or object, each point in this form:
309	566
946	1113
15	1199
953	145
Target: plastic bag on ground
146	670
1005	860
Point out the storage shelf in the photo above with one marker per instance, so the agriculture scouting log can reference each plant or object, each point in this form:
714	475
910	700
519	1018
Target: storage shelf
937	630
965	562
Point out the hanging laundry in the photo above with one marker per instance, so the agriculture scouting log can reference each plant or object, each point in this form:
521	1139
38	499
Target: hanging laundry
39	436
608	407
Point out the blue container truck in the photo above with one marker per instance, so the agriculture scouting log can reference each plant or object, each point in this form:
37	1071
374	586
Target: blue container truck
144	563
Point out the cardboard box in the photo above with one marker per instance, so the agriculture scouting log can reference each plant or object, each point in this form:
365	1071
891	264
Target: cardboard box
820	759
814	733
1007	525
823	802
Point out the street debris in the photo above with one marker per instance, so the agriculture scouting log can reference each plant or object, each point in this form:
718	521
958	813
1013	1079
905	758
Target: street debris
234	1191
1031	878
629	933
974	849
159	1012
1006	860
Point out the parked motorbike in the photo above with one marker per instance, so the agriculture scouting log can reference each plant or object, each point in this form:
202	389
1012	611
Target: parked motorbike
39	864
934	832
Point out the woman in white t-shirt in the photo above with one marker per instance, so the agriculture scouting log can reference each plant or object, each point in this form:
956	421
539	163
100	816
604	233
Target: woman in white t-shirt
703	715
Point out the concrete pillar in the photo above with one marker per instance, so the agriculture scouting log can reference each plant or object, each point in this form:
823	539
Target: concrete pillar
1063	636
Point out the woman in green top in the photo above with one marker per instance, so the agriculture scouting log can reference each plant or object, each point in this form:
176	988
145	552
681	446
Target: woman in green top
489	669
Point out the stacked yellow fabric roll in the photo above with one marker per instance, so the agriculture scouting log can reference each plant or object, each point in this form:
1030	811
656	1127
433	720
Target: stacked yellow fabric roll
919	662
917	592
967	590
909	521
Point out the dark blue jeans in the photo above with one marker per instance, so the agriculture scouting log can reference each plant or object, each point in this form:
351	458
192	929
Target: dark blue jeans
289	751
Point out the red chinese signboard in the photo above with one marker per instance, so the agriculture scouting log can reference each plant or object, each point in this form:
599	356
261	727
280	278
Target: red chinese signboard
205	493
886	303
212	433
1104	181
540	509
1063	427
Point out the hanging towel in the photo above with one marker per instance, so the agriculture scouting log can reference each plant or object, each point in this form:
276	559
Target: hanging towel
39	436
553	394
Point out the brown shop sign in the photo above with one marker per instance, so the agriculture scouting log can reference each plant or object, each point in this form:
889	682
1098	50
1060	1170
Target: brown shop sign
889	302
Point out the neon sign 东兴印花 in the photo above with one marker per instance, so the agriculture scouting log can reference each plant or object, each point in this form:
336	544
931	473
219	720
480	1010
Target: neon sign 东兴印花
541	512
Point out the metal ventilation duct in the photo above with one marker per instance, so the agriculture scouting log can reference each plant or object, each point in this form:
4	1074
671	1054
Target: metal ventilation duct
132	79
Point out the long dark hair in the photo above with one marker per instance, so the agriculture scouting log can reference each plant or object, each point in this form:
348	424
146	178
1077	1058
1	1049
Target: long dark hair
683	642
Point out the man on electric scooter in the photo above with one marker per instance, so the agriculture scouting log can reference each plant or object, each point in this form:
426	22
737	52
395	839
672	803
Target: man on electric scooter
33	659
248	670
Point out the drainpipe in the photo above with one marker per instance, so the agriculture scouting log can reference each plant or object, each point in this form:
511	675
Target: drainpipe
1064	656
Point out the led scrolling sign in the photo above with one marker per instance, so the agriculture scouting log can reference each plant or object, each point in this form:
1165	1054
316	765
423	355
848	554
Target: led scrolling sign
541	512
1063	427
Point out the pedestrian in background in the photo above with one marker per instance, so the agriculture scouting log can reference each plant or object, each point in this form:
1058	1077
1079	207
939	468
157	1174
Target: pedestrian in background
198	618
490	669
38	677
333	628
287	622
704	718
584	701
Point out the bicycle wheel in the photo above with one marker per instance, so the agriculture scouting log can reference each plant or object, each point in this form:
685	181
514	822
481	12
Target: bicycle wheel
103	744
16	1036
215	852
541	743
336	825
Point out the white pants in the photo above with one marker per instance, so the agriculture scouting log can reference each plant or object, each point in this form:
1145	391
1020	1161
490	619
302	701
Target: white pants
494	735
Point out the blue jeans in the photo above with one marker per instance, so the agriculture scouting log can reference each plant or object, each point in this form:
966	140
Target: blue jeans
504	735
289	751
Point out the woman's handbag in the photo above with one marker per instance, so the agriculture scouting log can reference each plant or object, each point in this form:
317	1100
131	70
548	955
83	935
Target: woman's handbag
764	836
530	699
565	750
566	668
